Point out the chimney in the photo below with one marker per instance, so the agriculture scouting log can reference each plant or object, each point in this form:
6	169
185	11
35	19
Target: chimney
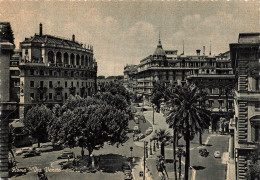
73	38
203	50
40	30
198	52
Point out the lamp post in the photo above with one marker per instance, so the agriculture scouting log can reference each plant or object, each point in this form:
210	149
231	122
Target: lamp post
153	114
145	146
131	150
151	150
154	147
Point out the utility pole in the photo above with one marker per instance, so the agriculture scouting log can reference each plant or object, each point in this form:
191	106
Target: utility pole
145	154
153	114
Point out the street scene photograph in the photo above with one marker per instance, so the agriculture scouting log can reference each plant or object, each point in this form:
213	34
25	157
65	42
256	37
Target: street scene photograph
129	90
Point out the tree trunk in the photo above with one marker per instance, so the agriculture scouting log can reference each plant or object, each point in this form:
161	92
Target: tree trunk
162	149
82	152
39	143
174	153
91	158
200	134
187	157
180	166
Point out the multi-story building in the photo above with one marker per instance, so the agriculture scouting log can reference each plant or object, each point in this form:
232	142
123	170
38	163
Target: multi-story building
6	106
52	68
210	72
245	126
130	78
218	81
102	81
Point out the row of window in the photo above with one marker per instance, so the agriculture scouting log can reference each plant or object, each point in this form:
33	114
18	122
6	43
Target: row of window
60	73
50	96
66	84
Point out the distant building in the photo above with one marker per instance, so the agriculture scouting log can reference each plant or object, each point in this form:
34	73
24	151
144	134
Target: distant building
209	72
102	81
53	68
130	78
245	127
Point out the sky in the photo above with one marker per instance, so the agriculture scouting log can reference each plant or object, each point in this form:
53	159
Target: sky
126	32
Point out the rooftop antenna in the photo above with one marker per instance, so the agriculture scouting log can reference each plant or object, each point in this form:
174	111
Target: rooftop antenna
210	47
159	36
183	47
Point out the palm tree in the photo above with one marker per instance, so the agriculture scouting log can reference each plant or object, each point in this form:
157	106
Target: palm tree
187	111
163	136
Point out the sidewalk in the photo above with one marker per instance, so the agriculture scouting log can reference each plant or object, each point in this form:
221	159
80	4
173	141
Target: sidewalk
231	169
151	171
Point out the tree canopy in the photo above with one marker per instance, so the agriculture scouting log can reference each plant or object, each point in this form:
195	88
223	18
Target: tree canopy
187	113
36	122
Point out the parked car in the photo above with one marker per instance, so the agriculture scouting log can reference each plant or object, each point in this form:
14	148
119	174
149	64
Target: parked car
217	154
21	151
126	166
45	148
148	131
204	152
128	176
66	155
31	153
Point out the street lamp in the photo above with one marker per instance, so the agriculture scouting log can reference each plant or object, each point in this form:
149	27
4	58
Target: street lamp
145	153
153	114
151	150
131	150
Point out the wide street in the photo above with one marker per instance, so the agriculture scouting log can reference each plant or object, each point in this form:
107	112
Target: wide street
207	168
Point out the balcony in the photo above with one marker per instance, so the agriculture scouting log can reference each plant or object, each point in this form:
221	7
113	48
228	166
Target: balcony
51	64
67	65
33	63
58	87
59	64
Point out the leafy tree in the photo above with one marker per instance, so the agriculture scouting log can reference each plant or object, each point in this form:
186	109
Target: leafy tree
187	111
36	122
159	94
116	88
116	100
163	136
253	172
90	122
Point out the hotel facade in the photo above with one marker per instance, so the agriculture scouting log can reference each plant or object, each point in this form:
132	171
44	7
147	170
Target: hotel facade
245	127
209	72
51	69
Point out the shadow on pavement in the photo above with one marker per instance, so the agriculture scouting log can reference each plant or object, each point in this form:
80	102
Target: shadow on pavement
207	144
198	167
111	163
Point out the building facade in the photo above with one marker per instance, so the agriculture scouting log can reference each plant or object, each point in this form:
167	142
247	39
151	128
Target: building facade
130	78
53	68
6	106
209	72
245	126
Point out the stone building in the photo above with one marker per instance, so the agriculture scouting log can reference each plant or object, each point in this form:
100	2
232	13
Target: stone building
210	72
130	78
6	106
53	68
245	127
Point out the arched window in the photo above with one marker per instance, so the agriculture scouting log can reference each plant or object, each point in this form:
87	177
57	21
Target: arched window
66	58
50	57
82	61
58	57
90	61
86	61
72	59
77	59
